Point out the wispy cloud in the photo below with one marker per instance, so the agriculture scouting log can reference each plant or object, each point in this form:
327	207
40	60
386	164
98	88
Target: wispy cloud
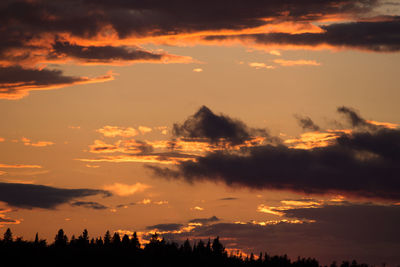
113	131
260	65
299	62
19	166
16	82
28	142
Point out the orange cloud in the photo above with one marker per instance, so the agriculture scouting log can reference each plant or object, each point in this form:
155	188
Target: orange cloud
156	158
145	129
300	62
258	65
27	142
2	139
74	127
19	166
384	124
113	131
4	220
275	52
311	140
125	189
92	166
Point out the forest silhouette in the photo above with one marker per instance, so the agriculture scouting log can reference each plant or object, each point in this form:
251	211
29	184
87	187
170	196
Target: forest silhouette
112	250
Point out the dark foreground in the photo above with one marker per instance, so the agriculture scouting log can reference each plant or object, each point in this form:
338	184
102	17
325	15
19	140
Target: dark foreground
114	251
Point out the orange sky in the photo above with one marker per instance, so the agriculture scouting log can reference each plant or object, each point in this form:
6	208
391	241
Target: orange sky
94	98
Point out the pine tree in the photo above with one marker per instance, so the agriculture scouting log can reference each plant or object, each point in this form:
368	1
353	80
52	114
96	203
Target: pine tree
61	239
8	236
135	241
107	238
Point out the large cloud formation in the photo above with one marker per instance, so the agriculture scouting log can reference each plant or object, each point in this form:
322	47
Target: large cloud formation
376	36
363	162
115	32
40	196
205	125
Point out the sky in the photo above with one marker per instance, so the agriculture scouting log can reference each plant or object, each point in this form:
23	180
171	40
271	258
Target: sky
271	124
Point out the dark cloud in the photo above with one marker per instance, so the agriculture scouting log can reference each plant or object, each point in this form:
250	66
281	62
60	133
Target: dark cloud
43	31
5	220
40	196
89	205
205	220
165	227
306	123
364	164
125	205
204	124
354	118
88	18
377	36
16	81
365	232
229	198
100	54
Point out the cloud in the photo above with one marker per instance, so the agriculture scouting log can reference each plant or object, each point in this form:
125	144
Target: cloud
104	32
125	19
205	220
89	205
198	70
101	54
5	220
125	189
40	196
145	129
259	65
306	123
19	166
365	232
300	62
204	124
161	158
275	52
358	164
229	198
113	131
16	81
165	227
375	35
28	142
354	118
124	146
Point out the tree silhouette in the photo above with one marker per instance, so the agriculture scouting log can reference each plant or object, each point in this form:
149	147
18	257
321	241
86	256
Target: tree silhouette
61	239
217	247
8	237
116	239
135	241
128	252
83	239
107	238
125	241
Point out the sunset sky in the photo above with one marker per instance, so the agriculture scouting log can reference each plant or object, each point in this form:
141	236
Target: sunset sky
272	124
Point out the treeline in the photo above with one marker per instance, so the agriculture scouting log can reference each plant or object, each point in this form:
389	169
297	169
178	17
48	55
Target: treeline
112	250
